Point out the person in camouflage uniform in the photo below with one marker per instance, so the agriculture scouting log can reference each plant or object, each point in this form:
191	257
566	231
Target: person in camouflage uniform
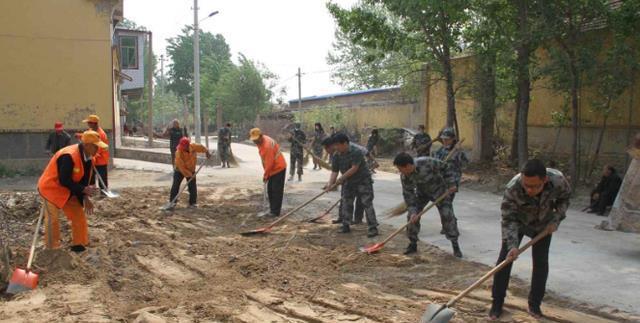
458	160
356	181
535	200
224	144
318	136
421	142
297	138
424	179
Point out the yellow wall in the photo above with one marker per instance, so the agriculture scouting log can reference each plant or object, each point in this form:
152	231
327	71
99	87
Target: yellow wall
55	63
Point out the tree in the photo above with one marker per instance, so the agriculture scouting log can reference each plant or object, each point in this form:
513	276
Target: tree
427	31
130	24
571	26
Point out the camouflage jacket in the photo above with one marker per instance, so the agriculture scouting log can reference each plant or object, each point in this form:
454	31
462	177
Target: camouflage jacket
224	136
421	142
298	138
457	161
431	179
522	214
354	156
318	137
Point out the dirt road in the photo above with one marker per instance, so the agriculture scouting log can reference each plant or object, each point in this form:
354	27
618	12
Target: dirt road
193	266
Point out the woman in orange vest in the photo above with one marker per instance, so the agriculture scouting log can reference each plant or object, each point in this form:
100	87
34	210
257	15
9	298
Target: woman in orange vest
275	168
102	157
65	186
186	157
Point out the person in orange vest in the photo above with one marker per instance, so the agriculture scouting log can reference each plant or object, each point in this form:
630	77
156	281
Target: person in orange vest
186	157
275	168
102	157
65	186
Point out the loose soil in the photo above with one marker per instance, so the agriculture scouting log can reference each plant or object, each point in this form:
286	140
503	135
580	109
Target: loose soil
191	265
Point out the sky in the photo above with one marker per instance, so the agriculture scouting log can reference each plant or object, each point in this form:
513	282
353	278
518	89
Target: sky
281	34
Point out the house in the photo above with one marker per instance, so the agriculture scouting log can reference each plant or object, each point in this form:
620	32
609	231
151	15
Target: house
57	65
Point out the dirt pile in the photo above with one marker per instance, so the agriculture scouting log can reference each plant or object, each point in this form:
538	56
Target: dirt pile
147	265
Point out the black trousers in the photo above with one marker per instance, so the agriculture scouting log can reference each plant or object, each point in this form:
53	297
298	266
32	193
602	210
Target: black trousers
175	187
540	257
173	156
275	190
102	170
605	200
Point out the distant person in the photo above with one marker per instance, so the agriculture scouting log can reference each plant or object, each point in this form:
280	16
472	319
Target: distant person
458	159
57	139
372	150
185	168
275	169
536	200
174	133
297	138
318	136
102	157
605	193
224	145
421	142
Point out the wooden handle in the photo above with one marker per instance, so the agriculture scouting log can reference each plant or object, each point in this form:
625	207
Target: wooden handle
497	268
438	200
300	206
333	206
455	148
35	235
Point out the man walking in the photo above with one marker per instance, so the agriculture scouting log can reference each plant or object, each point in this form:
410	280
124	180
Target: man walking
102	157
425	179
421	142
458	159
224	145
175	133
297	138
356	181
275	168
318	136
185	168
535	200
66	187
57	139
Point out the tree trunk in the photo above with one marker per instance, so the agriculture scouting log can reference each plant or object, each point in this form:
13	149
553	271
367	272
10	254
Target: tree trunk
575	86
487	88
452	120
594	160
514	139
523	53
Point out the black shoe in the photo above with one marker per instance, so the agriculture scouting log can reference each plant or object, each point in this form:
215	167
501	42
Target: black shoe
442	231
299	178
290	178
456	249
412	248
344	229
372	232
535	312
78	248
496	311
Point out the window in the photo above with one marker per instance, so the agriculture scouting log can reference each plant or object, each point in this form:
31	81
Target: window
129	52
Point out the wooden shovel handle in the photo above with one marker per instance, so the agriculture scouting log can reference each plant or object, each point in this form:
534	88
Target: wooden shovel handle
497	268
35	235
438	200
454	149
280	219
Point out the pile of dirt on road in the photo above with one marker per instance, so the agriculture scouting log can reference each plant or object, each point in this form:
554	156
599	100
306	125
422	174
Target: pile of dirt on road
192	265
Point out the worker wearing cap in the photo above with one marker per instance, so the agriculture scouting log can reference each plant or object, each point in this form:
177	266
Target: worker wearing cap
58	139
102	157
275	168
455	161
186	158
65	186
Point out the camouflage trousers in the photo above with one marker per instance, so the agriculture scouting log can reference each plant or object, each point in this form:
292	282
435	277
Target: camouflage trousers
447	218
363	191
225	152
296	161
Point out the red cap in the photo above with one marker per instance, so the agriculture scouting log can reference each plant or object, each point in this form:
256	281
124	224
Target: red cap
58	125
184	143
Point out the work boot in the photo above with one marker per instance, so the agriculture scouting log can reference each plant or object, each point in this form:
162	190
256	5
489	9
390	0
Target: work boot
535	311
411	248
290	178
496	310
336	221
299	178
193	206
78	248
372	232
344	229
456	248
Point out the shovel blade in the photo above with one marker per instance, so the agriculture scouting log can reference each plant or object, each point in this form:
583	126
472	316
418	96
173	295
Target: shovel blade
22	281
256	231
315	220
110	194
372	248
168	207
437	314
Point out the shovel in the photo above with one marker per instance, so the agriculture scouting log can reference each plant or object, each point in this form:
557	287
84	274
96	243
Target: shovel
443	313
108	193
23	280
325	213
172	204
376	247
268	228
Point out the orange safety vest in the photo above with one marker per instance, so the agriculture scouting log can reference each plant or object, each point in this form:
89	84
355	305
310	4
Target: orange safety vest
272	160
102	157
49	183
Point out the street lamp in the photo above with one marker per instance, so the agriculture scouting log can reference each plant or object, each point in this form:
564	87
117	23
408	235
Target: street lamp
196	67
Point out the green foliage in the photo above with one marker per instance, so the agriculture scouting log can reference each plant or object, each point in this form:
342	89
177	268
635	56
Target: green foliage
130	24
328	116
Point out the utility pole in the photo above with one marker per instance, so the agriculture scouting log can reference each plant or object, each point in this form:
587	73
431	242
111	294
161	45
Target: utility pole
162	73
196	71
150	88
299	89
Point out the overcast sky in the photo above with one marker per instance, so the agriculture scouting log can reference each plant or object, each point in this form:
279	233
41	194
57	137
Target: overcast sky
282	34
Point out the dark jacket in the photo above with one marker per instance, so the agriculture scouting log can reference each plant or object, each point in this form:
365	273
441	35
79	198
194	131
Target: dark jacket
58	141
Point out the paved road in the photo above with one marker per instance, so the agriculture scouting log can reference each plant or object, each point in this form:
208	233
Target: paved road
594	266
